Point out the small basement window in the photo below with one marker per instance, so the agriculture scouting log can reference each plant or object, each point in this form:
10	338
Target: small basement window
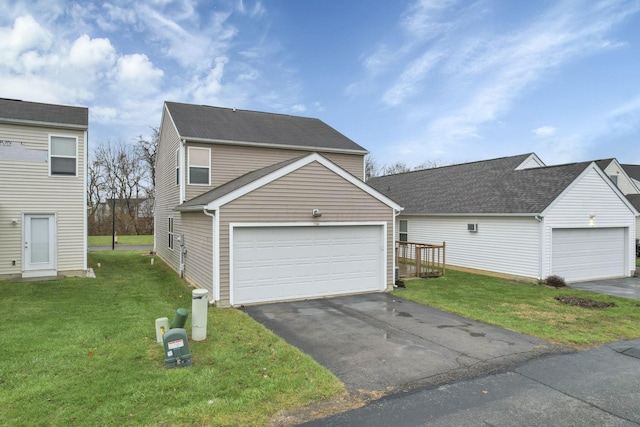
404	231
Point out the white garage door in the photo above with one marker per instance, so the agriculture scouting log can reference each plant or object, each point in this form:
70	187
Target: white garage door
588	254
284	263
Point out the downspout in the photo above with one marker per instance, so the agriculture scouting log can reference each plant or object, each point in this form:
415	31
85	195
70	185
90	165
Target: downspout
540	247
212	300
396	213
85	199
183	172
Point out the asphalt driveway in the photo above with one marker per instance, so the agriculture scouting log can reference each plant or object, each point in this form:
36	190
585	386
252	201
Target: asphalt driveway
627	287
380	342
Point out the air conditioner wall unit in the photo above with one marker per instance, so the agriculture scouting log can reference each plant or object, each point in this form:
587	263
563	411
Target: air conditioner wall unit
472	228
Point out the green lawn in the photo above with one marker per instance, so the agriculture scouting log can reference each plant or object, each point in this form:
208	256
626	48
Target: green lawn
122	240
530	309
83	352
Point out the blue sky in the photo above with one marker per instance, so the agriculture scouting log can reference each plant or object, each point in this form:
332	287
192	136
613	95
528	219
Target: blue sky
439	81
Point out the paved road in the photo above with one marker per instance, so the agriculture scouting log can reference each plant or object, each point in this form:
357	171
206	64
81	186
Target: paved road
598	387
380	342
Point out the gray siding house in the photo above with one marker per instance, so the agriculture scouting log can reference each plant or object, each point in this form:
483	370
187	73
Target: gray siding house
43	224
259	207
517	218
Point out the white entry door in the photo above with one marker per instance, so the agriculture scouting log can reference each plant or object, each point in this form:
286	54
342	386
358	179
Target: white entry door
39	244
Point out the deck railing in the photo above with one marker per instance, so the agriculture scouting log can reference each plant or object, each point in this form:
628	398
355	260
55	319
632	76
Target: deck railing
420	259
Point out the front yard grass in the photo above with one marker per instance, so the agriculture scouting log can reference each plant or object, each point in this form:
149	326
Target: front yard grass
83	352
528	308
122	240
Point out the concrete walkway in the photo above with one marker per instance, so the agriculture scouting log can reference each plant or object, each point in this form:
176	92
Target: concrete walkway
627	287
380	342
598	387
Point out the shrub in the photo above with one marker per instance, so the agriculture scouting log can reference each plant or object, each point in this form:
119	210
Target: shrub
555	281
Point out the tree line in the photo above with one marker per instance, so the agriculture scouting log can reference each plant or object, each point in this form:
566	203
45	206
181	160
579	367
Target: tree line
121	186
372	168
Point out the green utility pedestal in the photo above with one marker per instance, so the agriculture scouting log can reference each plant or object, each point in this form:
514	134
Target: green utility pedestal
176	349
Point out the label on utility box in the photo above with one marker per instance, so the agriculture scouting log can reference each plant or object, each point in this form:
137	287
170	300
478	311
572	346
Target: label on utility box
175	344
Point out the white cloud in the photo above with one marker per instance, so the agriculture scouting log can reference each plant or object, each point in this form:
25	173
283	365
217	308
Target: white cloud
486	73
137	69
408	83
544	131
92	53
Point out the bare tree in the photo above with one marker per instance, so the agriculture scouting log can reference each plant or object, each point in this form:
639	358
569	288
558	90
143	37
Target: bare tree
147	151
119	178
427	164
371	167
397	167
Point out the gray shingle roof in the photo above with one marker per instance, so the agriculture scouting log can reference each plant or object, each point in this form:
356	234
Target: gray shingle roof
633	171
17	111
635	200
202	200
484	187
202	122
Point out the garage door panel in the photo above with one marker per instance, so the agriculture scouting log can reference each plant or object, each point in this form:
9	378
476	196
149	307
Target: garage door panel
281	263
588	254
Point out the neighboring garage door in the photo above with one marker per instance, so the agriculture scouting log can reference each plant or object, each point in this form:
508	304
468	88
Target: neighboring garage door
588	253
285	263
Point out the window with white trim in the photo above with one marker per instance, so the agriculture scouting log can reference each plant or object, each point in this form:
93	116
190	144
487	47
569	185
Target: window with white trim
178	166
404	231
199	165
63	155
170	228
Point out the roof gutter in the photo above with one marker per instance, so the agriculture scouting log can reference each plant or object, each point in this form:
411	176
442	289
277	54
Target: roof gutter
266	144
45	124
524	215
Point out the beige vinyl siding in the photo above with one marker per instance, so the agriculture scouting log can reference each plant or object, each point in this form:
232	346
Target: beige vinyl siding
27	188
197	228
292	198
167	193
229	162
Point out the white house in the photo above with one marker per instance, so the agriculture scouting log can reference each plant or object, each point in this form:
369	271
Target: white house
518	218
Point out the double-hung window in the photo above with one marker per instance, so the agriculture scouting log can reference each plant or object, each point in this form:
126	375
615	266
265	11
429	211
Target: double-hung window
178	166
199	165
63	155
404	231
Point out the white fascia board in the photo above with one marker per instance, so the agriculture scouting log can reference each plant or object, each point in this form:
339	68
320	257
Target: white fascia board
315	157
521	214
592	166
269	145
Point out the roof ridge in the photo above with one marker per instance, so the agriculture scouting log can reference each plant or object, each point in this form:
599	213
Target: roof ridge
456	165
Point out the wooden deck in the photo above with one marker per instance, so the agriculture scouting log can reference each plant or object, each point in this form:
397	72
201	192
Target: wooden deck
420	259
